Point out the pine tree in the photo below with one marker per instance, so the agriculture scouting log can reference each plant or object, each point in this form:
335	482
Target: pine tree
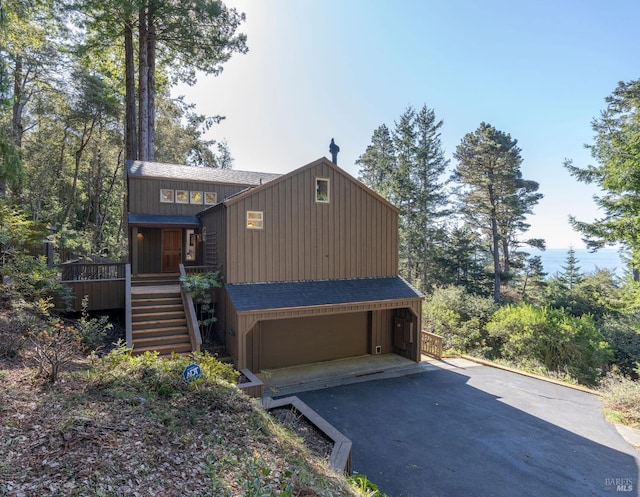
406	166
493	196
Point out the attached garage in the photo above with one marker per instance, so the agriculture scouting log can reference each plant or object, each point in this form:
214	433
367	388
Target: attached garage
289	342
275	325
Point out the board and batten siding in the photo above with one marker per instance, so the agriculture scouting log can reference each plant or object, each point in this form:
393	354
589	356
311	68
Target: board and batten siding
354	235
144	195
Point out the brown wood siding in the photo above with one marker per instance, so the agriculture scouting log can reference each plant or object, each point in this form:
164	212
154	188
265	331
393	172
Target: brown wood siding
381	328
352	236
103	295
144	195
149	250
289	342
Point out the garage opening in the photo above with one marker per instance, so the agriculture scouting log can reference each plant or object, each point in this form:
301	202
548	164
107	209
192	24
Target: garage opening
289	342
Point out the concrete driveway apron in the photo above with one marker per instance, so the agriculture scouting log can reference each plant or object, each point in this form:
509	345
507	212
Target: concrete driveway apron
466	430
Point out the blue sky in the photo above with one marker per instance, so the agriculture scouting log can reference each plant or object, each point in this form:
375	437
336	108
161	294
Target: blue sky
316	70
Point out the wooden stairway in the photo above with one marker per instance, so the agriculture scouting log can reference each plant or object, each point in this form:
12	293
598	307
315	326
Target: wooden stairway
157	316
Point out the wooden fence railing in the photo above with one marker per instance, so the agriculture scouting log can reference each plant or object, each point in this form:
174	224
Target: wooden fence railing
431	344
87	271
102	282
199	269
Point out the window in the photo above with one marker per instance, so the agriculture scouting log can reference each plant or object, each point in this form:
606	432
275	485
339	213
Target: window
182	196
255	220
210	198
166	196
191	245
196	197
322	190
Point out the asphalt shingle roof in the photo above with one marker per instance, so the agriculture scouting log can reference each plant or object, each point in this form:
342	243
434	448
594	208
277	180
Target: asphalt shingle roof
280	295
162	219
193	173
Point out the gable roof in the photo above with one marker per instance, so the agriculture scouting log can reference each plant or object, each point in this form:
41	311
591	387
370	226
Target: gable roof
284	177
193	173
282	295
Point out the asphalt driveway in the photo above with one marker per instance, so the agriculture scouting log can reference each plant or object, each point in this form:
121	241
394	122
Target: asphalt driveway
465	430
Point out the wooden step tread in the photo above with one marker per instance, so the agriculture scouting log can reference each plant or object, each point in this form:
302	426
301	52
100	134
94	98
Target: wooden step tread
164	349
150	309
182	338
167	330
157	316
163	323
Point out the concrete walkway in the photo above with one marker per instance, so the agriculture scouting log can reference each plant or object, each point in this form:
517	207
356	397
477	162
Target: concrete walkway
289	381
457	428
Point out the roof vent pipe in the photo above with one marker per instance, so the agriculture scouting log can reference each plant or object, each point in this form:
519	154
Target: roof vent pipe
334	149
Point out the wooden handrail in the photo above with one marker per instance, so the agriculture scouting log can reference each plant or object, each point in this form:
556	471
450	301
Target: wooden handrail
199	269
192	318
127	306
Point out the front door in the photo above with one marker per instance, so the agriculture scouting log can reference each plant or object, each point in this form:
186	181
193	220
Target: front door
171	250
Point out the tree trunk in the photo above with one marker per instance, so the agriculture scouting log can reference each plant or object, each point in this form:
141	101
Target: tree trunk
143	87
151	89
495	239
131	146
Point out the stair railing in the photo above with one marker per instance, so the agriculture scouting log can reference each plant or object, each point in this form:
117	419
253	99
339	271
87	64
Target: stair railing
127	306
192	318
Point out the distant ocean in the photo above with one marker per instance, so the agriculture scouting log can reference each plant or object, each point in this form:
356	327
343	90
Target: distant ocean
588	262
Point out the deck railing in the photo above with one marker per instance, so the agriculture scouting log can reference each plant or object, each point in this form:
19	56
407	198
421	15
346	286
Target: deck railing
89	271
127	307
199	269
431	344
103	282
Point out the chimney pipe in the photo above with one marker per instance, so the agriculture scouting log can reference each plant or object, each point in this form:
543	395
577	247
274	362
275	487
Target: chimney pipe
334	149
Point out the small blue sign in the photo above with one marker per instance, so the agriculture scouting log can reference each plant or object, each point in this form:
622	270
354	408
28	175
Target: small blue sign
191	373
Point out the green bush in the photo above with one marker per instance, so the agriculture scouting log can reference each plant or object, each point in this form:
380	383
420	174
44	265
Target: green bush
148	372
92	330
559	341
623	334
200	286
54	347
459	317
621	397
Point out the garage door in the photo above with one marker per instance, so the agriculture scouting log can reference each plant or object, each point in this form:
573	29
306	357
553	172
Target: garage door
289	342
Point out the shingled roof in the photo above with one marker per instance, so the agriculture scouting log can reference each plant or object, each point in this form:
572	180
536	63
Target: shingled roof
194	173
282	295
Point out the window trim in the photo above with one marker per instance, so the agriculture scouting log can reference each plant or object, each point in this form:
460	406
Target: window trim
258	220
193	194
317	191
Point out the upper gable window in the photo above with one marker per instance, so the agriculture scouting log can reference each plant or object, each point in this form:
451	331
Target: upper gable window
167	196
195	198
210	198
322	190
255	220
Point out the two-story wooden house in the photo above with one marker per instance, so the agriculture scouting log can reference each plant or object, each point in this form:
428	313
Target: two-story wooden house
310	263
309	258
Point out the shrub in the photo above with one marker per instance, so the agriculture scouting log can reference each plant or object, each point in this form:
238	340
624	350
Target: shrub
92	330
621	397
199	286
150	373
559	341
623	334
458	316
54	347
